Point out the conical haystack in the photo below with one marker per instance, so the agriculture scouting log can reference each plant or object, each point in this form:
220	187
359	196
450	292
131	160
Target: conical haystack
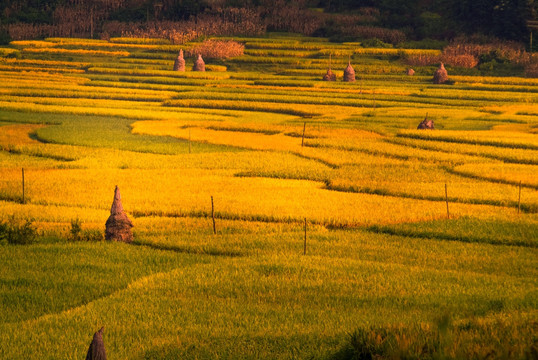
118	225
97	347
179	64
440	76
349	73
425	124
199	64
329	76
410	72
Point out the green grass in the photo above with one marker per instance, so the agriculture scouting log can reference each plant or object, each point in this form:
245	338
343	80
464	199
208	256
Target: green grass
95	131
273	303
47	279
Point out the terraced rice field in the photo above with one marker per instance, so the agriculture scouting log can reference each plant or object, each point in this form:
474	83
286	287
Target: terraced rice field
429	234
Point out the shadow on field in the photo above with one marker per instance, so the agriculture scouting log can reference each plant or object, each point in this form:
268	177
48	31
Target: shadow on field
191	250
467	229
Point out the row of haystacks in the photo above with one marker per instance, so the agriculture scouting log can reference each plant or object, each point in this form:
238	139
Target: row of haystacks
210	49
439	77
223	49
349	73
179	63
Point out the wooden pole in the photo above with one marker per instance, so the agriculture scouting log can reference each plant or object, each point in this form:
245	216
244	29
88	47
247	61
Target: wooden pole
304	253
23	199
189	141
519	199
213	216
304	129
446	199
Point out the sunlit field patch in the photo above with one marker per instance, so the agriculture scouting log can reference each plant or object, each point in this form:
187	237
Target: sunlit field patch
187	192
509	173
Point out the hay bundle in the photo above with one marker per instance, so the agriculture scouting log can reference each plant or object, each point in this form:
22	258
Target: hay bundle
349	73
425	124
329	76
199	64
97	347
440	76
410	72
118	225
179	64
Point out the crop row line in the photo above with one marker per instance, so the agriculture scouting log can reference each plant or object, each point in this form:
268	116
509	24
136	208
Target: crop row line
471	142
504	159
445	236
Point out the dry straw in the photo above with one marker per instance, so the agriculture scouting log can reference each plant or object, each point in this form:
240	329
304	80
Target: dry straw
199	64
329	76
440	76
349	72
97	347
118	225
179	64
426	124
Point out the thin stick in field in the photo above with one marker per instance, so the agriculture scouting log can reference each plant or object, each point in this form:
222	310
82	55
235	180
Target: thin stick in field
519	199
213	216
304	253
304	129
446	199
23	199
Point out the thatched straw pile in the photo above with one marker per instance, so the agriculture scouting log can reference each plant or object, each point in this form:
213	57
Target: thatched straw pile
97	347
118	225
179	64
199	64
440	76
410	72
349	73
329	76
425	124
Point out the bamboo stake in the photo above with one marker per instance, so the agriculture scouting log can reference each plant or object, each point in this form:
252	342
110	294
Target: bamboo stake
519	199
304	253
23	199
446	199
304	129
213	216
